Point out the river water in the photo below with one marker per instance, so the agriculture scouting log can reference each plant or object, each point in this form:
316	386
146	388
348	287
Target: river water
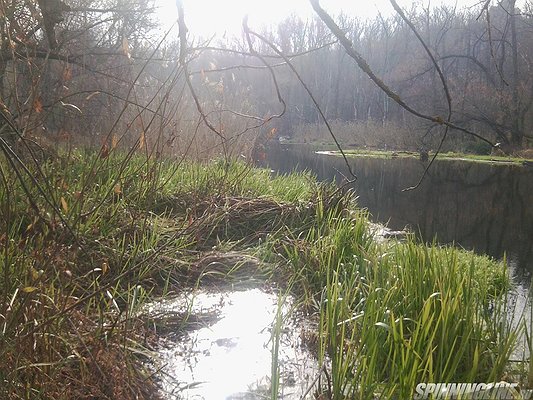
483	207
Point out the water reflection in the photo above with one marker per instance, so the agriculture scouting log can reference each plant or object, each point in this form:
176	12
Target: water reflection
231	358
487	208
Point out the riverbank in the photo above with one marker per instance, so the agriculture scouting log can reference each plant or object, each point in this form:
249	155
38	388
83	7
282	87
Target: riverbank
90	240
488	159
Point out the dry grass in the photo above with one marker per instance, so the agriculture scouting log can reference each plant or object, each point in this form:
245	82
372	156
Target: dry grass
525	153
75	357
227	268
369	134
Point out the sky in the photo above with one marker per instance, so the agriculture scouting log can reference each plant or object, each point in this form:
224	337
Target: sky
208	17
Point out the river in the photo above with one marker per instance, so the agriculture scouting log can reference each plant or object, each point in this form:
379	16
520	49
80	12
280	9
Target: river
483	207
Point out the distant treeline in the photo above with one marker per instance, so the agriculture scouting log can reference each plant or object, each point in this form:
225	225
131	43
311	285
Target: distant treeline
485	56
100	74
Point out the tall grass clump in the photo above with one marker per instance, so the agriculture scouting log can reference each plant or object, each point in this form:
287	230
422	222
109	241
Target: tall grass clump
79	256
392	315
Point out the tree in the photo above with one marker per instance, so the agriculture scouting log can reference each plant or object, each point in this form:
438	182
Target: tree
53	54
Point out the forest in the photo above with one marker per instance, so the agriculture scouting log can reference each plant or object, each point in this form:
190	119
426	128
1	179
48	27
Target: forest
95	67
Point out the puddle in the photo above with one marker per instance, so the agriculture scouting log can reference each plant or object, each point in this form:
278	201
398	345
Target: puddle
230	356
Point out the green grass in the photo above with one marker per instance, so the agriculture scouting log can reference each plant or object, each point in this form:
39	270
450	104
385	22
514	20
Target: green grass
483	158
93	238
396	314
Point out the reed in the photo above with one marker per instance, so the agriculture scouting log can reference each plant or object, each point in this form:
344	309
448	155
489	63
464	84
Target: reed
396	314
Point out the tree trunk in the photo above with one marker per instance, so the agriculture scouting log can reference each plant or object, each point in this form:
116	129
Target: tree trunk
516	131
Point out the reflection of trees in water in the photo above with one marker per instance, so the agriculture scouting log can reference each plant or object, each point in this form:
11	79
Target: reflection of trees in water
489	190
484	207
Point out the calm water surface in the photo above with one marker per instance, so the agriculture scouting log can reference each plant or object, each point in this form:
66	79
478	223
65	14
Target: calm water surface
484	207
230	355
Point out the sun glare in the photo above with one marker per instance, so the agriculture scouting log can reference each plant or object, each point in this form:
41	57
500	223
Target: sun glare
206	18
209	17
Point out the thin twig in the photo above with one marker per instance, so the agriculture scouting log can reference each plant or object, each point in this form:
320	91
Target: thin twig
315	102
400	12
317	377
184	63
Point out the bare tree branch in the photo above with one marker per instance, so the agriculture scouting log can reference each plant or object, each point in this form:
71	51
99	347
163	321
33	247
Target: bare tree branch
444	85
363	64
184	63
291	66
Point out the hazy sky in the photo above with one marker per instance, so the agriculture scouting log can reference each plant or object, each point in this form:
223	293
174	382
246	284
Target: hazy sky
206	17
